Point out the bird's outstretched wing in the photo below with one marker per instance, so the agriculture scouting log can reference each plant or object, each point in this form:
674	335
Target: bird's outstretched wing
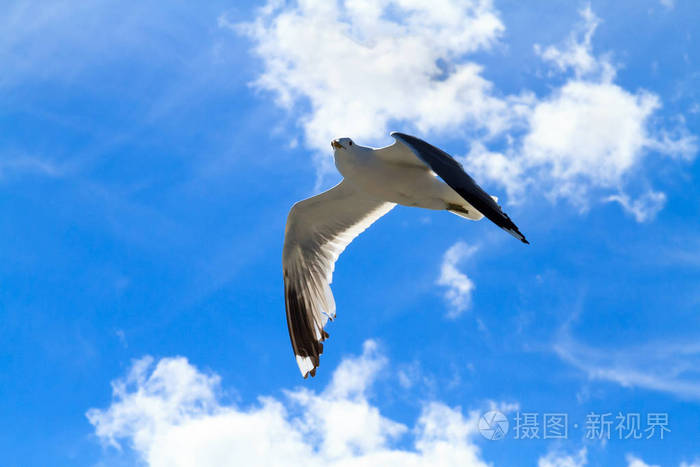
454	175
318	230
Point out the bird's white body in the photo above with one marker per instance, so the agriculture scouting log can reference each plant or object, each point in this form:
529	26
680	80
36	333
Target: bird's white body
389	175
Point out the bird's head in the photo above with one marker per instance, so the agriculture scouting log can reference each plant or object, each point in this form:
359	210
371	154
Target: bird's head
342	144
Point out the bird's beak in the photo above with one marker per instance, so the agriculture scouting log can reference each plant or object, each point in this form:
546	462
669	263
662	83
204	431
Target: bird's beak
336	145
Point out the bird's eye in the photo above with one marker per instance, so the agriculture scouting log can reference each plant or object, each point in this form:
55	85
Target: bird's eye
350	143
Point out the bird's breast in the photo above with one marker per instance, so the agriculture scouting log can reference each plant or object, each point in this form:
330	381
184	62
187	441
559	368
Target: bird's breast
350	165
406	185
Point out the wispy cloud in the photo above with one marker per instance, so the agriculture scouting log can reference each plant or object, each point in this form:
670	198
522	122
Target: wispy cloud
459	286
62	39
634	461
670	4
27	165
658	366
577	52
561	459
172	414
644	208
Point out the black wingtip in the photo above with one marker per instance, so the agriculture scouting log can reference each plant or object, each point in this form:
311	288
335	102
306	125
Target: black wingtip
513	231
452	172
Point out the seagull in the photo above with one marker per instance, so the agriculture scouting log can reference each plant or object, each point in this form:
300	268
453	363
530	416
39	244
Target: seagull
410	172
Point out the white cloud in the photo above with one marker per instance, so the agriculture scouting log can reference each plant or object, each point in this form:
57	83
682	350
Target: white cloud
591	130
584	140
558	459
459	286
587	137
633	461
172	414
356	68
352	67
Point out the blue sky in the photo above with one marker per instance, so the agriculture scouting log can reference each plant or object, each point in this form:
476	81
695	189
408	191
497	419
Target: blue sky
148	158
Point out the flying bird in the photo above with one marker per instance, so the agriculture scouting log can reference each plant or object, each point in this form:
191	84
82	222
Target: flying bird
409	172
